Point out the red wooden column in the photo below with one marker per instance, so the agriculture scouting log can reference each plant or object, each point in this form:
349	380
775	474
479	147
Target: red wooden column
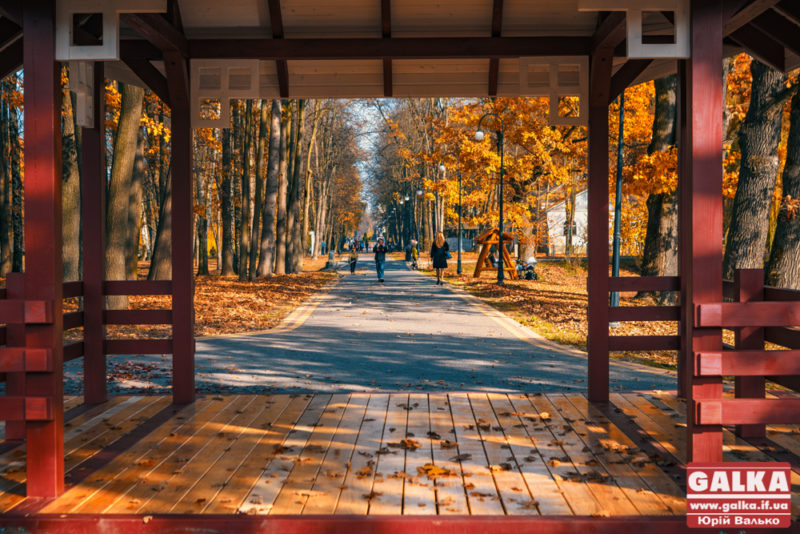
600	86
43	276
749	285
182	234
93	215
700	191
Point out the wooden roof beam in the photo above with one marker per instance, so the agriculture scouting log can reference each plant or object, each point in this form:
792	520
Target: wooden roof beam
396	48
746	14
761	45
497	30
150	75
626	75
610	32
780	29
158	30
789	9
11	58
281	66
386	32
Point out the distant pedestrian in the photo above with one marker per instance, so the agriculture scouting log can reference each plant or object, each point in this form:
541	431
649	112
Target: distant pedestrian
440	252
380	251
323	247
414	255
353	259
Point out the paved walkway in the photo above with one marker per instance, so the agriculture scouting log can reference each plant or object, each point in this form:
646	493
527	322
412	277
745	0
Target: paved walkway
405	334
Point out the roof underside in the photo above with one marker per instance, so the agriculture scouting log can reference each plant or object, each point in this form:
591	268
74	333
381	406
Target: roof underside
375	48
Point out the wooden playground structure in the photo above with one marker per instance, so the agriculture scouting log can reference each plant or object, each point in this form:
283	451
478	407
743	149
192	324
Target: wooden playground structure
487	240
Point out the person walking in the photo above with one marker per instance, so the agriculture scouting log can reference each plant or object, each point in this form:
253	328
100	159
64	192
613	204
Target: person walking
353	259
440	252
380	251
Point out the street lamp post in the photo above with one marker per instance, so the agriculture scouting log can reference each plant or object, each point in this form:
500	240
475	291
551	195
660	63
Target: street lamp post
479	137
458	174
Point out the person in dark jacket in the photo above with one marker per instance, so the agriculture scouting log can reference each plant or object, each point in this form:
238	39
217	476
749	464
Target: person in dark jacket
380	251
440	251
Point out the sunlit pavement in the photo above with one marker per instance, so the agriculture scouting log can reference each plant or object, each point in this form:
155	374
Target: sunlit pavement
405	334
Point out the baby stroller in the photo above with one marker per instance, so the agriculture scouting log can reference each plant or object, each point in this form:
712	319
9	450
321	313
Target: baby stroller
527	269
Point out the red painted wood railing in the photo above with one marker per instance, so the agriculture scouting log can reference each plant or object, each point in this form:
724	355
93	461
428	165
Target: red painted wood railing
643	313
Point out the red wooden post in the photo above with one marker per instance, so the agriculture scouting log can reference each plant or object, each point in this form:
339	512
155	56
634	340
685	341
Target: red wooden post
749	285
93	213
43	275
182	216
600	85
700	192
15	337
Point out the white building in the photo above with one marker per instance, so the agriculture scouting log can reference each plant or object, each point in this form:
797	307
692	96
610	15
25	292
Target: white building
557	225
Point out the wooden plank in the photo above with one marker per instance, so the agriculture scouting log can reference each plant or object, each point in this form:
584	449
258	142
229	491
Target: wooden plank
667	430
296	489
588	468
137	287
232	495
614	456
644	283
657	480
743	314
482	494
220	472
387	489
575	490
419	495
269	483
328	484
787	337
547	495
748	411
514	492
100	490
178	474
115	487
623	343
644	313
361	471
451	497
749	363
775	294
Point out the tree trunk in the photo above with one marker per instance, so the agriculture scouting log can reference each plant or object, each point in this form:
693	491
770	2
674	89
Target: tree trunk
17	195
135	209
244	234
660	256
161	262
5	186
70	192
758	139
226	205
294	194
259	194
283	184
267	252
119	185
783	269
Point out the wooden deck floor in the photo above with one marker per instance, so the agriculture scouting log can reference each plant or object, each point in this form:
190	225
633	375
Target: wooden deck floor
362	454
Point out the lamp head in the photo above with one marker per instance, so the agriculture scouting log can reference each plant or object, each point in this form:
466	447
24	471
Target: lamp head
479	135
442	168
408	198
419	192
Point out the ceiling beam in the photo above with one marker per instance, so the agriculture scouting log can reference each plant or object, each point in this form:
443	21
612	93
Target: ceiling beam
494	62
761	45
789	9
150	75
281	67
395	47
158	30
626	75
611	32
780	29
11	58
386	32
746	14
9	32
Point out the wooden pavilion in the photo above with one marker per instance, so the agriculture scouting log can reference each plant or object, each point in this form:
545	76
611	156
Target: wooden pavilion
192	52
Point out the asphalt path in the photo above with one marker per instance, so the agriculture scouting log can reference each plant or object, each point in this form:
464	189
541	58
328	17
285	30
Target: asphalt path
405	334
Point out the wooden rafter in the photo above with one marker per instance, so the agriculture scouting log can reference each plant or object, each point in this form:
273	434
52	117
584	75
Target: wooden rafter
625	75
396	48
386	32
746	14
11	58
780	28
158	30
497	30
281	66
150	75
611	31
789	9
761	45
